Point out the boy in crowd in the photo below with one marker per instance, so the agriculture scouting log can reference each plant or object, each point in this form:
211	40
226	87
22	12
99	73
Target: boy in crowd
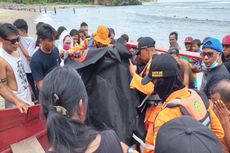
26	48
47	56
84	27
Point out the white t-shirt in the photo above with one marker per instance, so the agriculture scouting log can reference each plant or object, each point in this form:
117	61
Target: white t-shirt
23	91
29	44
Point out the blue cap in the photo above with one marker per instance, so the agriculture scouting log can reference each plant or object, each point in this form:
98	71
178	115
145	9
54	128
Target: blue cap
214	44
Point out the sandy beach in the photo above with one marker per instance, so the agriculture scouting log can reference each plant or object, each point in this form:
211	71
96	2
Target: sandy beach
11	15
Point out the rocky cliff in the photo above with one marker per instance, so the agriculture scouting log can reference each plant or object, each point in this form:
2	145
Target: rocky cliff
117	2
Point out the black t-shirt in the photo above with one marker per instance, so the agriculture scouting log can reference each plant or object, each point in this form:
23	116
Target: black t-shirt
227	65
42	63
211	78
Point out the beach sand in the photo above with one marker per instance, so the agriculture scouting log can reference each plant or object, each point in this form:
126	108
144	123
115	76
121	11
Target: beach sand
10	16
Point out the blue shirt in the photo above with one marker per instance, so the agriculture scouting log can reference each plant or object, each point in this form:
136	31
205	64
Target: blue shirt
42	63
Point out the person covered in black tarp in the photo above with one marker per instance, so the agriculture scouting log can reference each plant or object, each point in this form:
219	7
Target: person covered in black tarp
112	104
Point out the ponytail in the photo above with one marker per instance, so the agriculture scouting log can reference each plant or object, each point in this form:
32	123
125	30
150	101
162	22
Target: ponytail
67	135
61	92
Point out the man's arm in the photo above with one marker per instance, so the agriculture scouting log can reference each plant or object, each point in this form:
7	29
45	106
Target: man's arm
186	73
37	73
24	51
39	84
136	81
7	94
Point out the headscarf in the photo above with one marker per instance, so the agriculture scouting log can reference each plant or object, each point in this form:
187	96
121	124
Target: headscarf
61	40
165	86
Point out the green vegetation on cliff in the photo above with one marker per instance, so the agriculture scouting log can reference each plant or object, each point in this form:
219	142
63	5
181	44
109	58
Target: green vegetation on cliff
98	2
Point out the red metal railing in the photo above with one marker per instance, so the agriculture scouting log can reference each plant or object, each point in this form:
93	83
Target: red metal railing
133	44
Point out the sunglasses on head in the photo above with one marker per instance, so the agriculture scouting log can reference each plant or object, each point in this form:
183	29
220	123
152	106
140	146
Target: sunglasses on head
13	41
208	54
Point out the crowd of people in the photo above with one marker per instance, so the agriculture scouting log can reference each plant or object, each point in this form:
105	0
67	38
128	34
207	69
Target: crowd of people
179	116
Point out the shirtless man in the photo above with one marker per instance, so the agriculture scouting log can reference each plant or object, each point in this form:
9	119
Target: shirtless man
13	85
185	70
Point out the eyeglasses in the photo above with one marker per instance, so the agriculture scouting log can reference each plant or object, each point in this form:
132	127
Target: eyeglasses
13	41
208	54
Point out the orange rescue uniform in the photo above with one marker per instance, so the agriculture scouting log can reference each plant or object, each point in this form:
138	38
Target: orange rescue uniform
152	111
167	114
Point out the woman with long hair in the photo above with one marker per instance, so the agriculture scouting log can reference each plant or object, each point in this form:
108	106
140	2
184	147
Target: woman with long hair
64	105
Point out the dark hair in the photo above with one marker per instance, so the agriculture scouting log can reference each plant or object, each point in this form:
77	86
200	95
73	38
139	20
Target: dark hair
126	37
63	87
74	32
83	24
60	30
38	25
196	41
21	24
121	40
46	31
223	88
174	33
173	50
83	32
7	29
111	30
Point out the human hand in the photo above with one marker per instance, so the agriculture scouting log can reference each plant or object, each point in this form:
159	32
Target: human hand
62	53
22	106
195	68
132	68
221	110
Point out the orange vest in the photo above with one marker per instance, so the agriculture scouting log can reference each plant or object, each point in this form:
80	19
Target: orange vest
192	106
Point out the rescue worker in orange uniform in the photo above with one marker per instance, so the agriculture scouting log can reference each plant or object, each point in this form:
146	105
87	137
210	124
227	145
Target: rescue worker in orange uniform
178	99
146	47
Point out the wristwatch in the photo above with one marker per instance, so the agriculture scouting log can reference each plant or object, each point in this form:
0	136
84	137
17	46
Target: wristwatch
130	150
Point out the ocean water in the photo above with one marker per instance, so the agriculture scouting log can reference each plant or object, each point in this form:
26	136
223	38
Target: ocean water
194	18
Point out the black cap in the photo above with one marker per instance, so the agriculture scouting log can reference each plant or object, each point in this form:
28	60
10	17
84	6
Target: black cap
173	51
146	42
163	65
186	135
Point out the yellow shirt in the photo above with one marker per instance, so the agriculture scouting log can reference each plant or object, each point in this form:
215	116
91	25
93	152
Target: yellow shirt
136	82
